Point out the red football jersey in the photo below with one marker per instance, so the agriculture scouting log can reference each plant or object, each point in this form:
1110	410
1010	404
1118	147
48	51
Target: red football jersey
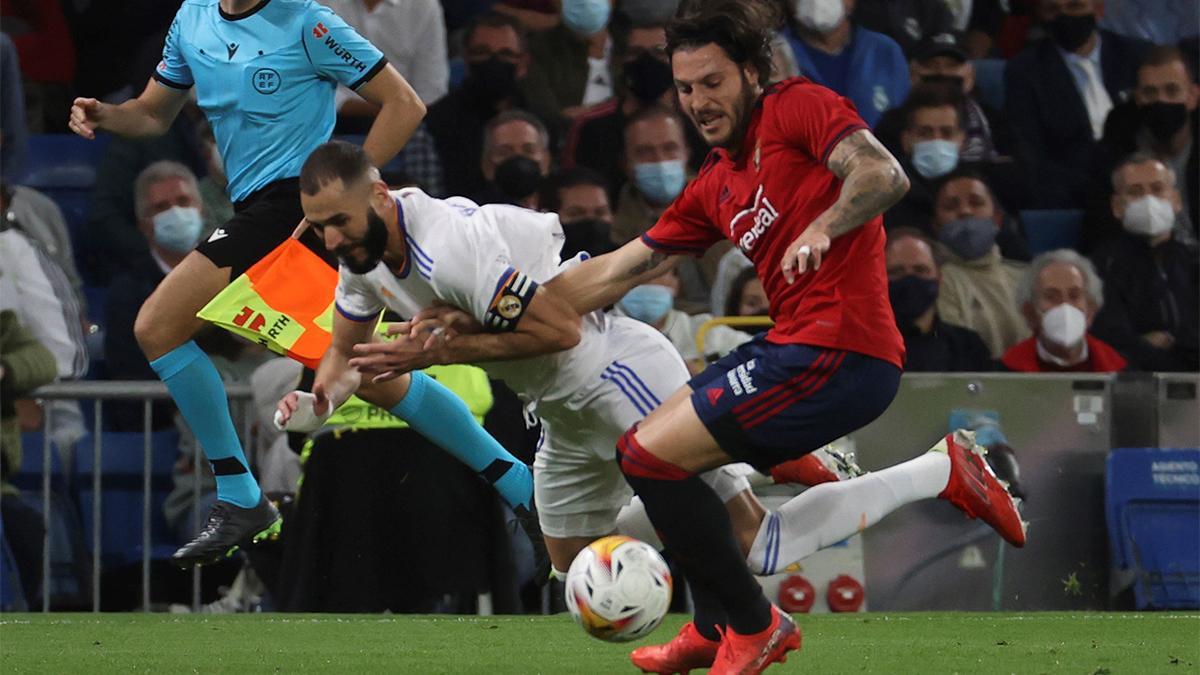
764	199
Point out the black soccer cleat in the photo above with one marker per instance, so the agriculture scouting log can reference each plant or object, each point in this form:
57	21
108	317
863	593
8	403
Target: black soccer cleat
229	527
528	520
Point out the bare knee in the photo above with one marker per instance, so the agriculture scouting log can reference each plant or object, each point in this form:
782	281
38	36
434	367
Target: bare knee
151	331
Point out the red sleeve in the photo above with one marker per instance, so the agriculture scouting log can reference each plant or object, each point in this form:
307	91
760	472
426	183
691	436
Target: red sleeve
685	227
814	119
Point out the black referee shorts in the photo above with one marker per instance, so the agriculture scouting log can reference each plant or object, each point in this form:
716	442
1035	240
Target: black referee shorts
260	223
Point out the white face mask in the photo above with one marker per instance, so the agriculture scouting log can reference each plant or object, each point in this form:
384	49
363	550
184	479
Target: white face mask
1064	325
821	16
1149	216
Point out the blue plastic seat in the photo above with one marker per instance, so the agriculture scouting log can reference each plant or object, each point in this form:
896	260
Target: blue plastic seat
121	494
1152	506
1050	229
989	82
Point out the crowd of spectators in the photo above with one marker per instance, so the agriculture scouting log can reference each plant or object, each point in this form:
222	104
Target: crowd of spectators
995	109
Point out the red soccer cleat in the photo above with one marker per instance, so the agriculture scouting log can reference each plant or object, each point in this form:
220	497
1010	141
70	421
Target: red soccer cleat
751	654
806	470
687	650
975	490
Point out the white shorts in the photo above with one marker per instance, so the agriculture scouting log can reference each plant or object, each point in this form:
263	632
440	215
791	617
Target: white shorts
579	487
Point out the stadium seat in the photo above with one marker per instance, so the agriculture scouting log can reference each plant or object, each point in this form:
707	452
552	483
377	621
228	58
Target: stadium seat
63	167
1152	506
1050	229
989	82
121	494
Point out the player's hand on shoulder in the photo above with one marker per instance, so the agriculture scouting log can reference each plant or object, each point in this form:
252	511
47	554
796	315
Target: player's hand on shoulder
805	253
86	116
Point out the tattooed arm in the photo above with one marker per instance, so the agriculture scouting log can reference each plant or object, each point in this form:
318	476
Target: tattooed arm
602	281
872	181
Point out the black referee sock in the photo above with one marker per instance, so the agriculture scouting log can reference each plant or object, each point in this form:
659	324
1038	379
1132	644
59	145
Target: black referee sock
695	528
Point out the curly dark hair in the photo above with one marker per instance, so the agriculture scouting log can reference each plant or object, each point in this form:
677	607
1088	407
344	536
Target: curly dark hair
743	28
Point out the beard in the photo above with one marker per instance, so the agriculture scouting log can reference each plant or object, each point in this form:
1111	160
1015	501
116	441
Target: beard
739	118
373	245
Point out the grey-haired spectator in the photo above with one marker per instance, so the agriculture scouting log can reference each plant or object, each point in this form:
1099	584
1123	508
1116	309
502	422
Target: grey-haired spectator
1161	120
1152	313
1059	296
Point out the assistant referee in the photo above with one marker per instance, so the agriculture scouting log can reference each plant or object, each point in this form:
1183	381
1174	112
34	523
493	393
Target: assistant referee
264	72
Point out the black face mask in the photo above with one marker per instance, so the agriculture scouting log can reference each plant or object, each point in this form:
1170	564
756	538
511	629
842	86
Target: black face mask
491	80
1071	31
373	244
1163	120
648	78
952	83
587	234
518	176
911	297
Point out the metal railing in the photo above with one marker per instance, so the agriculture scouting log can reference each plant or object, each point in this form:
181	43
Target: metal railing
99	392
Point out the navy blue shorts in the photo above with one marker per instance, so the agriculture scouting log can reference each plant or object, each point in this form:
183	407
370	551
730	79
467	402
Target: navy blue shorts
766	403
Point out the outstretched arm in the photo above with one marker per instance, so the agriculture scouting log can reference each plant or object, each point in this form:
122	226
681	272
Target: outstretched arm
872	181
335	382
547	325
150	114
603	280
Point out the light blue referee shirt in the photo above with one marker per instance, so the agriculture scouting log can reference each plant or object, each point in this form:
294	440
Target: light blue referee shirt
265	79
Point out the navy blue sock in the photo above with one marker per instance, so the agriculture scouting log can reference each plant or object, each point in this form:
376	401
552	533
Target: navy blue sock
197	389
437	414
695	529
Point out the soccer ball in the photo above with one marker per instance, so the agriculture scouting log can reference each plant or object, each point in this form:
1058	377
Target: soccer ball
618	589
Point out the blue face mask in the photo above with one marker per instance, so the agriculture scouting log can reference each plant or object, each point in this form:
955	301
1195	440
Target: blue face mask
660	182
647	303
933	159
178	228
585	17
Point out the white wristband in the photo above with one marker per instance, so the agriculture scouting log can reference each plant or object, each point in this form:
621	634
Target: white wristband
304	419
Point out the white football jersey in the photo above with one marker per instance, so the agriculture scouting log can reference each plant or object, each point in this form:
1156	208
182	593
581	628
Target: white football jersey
487	260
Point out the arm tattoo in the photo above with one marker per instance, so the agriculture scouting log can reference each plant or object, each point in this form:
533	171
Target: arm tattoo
872	182
655	259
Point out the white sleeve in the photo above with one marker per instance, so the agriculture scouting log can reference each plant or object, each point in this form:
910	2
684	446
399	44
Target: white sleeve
491	289
44	302
428	69
354	298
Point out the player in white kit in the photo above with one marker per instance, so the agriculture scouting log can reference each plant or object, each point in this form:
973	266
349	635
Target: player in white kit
588	378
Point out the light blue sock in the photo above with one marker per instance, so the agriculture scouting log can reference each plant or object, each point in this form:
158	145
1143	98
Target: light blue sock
198	391
437	414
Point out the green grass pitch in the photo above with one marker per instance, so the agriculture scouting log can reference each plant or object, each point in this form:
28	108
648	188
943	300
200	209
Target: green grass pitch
1088	644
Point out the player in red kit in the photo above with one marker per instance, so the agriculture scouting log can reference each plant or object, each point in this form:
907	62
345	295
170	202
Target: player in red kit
798	182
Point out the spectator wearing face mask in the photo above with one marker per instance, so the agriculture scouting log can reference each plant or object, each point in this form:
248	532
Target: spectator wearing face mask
1152	312
516	157
1059	92
653	303
655	160
941	59
1161	120
497	61
1060	294
170	217
930	344
979	285
864	66
580	199
644	81
908	22
574	58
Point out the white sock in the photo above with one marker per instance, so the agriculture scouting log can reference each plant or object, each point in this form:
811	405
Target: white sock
828	513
